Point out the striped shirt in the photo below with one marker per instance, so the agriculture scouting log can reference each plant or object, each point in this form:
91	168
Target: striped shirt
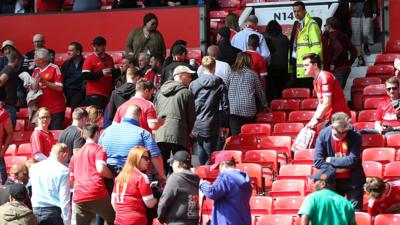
119	138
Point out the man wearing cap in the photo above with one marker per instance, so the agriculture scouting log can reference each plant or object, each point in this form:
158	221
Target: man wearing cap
240	40
15	211
339	146
179	203
324	206
175	104
98	70
231	193
228	52
38	42
6	47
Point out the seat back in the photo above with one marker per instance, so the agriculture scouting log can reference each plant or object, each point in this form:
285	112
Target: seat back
287	204
260	205
372	169
392	46
382	155
255	173
295	93
302	116
372	102
288	188
285	105
256	128
271	117
386	59
295	172
287	129
237	155
387	219
393	141
364	125
11	160
265	158
309	104
21	137
367	115
392	170
363	218
274	219
305	156
372	140
24	150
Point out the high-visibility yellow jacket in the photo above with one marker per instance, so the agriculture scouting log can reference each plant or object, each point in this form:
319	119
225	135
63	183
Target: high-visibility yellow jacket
308	41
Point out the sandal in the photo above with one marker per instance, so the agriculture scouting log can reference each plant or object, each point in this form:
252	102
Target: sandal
361	61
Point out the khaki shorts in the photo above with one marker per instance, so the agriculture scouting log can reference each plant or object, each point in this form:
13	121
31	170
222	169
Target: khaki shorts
362	30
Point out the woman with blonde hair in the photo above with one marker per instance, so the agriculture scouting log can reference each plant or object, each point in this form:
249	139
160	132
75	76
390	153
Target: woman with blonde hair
245	93
132	191
209	93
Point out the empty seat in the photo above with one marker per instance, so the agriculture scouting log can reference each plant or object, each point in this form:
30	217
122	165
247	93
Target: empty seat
275	220
302	116
255	173
372	102
287	129
309	104
295	172
305	156
367	115
256	128
265	158
372	169
393	141
20	125
288	188
11	160
194	54
271	117
363	218
21	137
237	155
357	89
23	113
392	170
229	3
24	150
11	149
372	140
382	155
287	204
386	59
220	14
364	125
56	133
260	205
380	71
285	104
393	46
387	219
296	93
375	90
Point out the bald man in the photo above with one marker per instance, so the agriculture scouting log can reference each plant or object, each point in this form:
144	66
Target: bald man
18	175
119	138
222	69
38	41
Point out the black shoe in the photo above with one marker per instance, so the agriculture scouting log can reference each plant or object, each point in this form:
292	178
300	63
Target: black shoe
361	61
366	50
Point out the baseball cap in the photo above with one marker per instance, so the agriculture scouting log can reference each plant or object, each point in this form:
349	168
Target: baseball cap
7	43
329	176
18	192
222	157
182	69
182	156
99	41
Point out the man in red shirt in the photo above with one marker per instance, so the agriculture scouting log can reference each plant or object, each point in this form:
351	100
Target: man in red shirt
6	133
384	196
388	112
259	64
98	70
154	73
144	93
88	169
329	92
49	79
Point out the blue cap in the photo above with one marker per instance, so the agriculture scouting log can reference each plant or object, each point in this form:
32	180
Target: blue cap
329	176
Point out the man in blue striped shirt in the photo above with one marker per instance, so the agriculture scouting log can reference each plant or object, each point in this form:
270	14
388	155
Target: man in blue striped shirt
119	138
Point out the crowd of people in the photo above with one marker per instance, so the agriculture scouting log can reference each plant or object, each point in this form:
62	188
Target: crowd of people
127	155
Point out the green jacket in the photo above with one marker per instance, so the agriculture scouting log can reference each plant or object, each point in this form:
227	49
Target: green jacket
137	43
175	104
308	41
15	213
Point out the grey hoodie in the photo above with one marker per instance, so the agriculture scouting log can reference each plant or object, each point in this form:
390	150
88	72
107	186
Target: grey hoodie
15	213
175	104
179	203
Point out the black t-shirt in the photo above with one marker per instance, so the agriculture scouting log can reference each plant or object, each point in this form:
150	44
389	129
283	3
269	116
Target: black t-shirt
72	137
10	87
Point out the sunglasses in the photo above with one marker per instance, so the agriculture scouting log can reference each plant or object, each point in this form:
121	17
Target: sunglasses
341	132
391	88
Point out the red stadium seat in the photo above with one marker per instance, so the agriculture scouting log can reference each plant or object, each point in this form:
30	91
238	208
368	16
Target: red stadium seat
285	105
276	220
56	133
24	150
367	115
194	54
68	117
296	93
380	70
288	188
287	129
21	137
357	89
372	140
363	218
229	3
255	173
393	46
205	173
364	125
221	14
309	104
11	160
295	172
60	58
386	59
305	156
271	117
237	155
365	81
382	155
23	113
206	209
392	171
265	158
387	219
372	102
256	128
20	125
302	116
376	90
260	205
11	150
372	169
353	116
287	204
393	141
117	56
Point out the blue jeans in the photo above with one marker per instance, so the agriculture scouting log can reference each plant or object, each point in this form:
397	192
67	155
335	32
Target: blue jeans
12	111
57	121
205	146
3	172
48	215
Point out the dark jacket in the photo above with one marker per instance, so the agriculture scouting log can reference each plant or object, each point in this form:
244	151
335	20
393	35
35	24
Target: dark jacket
168	71
209	93
228	53
278	44
119	96
179	203
340	47
15	213
175	104
324	149
72	75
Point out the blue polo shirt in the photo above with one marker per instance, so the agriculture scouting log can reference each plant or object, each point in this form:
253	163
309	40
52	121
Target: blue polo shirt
119	138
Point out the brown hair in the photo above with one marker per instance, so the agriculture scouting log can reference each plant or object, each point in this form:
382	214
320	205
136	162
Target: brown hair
314	58
144	84
243	60
94	113
232	21
374	187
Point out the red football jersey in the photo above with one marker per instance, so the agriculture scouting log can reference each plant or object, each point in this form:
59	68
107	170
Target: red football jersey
42	141
341	149
386	114
327	85
390	198
51	99
102	86
259	65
